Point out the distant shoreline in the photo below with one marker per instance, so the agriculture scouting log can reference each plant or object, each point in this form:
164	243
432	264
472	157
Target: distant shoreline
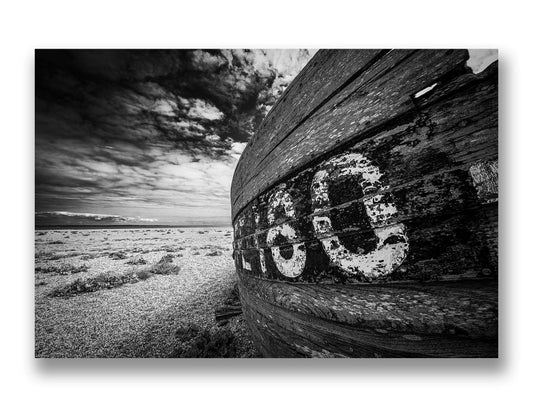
76	227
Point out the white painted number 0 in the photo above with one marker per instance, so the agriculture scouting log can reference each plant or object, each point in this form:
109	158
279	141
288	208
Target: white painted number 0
387	256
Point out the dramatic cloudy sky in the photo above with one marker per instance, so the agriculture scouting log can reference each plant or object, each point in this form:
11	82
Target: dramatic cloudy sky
150	136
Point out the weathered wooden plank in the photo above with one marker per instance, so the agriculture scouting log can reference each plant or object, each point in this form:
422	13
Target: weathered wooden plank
374	321
465	308
223	313
303	96
272	345
461	129
383	98
308	91
445	193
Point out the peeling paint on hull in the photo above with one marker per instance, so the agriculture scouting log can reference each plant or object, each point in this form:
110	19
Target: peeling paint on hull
485	177
387	256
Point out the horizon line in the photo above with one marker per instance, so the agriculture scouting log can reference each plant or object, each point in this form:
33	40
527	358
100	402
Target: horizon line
126	226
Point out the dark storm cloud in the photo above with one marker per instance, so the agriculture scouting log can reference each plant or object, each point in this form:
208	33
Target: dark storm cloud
156	131
140	95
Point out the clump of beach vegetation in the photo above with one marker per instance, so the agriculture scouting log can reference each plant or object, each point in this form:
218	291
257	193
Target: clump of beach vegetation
62	269
194	342
117	256
164	266
135	261
100	282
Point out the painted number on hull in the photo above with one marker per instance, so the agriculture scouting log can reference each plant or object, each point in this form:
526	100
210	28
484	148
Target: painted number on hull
293	266
392	244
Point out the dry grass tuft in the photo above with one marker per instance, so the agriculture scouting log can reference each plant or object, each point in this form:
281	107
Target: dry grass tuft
62	269
135	261
167	258
164	266
42	254
91	256
117	256
232	296
102	281
164	269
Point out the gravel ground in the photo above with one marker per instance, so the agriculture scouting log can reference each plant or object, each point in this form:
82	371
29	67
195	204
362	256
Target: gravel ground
140	319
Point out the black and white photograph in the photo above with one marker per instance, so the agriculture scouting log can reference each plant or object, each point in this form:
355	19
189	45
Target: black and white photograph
235	203
266	203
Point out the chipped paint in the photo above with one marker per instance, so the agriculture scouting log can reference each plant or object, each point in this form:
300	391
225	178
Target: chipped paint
425	90
392	245
245	265
377	211
262	260
485	177
294	266
280	198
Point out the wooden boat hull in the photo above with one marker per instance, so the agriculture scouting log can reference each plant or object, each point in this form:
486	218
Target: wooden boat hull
365	210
